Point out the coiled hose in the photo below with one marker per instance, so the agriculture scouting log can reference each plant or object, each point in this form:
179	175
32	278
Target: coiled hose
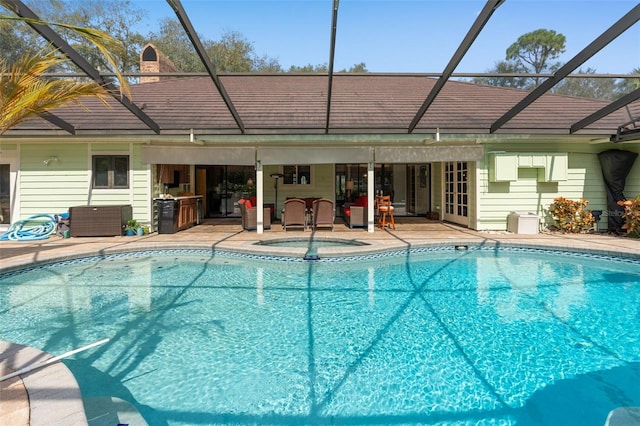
30	229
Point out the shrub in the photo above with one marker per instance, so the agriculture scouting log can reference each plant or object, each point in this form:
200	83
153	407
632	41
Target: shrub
571	216
631	216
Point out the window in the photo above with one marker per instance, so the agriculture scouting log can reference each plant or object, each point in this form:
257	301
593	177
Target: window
111	171
296	175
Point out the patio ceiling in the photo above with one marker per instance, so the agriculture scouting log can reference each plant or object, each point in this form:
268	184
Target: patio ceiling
611	116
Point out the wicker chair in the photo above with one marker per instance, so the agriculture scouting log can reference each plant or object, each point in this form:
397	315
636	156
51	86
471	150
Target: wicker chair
294	213
323	213
250	216
356	214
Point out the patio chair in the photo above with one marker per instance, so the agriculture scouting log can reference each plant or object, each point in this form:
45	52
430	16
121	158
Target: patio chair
356	214
294	213
323	213
250	216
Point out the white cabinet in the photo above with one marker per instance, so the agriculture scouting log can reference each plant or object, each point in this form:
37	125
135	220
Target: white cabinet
551	167
556	168
504	168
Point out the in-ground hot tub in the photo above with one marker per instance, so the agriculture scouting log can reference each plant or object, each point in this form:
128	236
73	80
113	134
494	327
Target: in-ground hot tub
310	242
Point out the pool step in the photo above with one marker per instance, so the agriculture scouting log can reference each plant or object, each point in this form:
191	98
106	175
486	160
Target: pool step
624	416
111	411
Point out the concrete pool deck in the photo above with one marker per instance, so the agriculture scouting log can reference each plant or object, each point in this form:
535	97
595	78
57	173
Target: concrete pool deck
51	396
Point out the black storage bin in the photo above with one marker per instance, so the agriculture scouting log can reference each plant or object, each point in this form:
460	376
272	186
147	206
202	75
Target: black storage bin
167	216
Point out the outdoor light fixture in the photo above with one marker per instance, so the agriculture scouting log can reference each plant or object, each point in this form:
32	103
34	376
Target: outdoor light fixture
49	160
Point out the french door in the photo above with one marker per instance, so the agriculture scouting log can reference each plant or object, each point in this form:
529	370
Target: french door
456	196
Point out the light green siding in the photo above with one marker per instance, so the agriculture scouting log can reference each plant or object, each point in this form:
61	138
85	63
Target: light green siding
99	148
53	188
632	187
528	194
472	199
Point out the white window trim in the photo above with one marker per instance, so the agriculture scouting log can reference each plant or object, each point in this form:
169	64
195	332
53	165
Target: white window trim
92	154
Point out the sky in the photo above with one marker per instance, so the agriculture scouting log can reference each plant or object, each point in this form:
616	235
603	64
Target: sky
406	36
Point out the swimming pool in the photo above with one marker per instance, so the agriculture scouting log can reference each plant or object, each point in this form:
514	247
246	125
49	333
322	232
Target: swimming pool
482	336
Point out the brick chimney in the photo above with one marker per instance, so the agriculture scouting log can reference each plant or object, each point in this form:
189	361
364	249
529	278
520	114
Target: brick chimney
153	61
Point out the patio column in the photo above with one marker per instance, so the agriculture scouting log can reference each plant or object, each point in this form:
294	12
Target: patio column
371	188
259	198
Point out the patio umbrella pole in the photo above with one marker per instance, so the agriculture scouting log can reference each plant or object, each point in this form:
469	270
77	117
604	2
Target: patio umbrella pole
51	360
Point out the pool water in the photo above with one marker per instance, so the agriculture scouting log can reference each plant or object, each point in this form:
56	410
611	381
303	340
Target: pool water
437	337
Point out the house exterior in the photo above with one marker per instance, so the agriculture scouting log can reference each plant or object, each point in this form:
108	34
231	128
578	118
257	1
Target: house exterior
280	136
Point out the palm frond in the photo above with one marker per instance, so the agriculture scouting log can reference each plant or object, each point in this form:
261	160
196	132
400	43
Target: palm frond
25	93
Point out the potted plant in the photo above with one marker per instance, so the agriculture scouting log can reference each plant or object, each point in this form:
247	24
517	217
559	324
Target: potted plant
132	227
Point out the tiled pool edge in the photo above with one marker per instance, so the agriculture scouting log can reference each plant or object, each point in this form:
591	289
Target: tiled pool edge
53	393
330	254
19	255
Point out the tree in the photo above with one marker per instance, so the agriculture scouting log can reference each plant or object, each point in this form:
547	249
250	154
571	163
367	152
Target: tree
26	93
504	67
361	67
629	84
532	53
324	68
534	50
267	64
233	53
309	68
11	42
587	87
173	42
114	17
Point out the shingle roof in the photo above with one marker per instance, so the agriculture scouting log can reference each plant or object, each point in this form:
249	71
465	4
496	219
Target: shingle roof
360	103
